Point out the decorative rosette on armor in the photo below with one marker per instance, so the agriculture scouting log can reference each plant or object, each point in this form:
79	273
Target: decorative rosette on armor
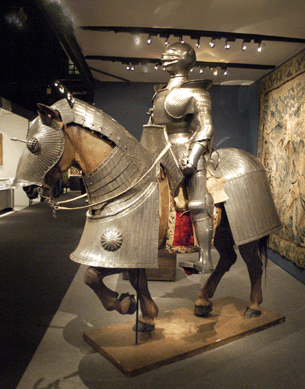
111	240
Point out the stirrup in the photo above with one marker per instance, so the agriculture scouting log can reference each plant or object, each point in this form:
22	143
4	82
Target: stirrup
191	267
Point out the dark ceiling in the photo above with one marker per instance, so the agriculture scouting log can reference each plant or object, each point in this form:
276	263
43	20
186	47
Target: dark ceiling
32	58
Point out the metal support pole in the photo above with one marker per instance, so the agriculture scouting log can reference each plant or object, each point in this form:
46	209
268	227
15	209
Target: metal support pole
137	311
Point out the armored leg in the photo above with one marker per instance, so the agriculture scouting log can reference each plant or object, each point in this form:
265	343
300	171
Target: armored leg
201	208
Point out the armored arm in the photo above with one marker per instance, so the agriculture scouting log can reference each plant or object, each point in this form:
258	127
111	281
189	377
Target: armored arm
202	128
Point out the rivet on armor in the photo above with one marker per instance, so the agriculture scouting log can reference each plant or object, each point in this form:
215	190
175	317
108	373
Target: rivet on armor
33	145
111	240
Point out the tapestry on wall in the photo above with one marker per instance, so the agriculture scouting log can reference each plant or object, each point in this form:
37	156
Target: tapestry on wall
281	149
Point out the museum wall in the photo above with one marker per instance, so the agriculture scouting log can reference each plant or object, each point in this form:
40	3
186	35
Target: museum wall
235	110
12	125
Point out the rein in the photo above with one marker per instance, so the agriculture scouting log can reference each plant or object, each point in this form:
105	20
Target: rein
57	205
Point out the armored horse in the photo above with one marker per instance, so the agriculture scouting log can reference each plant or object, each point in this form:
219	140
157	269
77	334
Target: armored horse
128	204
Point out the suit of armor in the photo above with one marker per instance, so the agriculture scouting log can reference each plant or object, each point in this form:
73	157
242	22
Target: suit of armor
184	107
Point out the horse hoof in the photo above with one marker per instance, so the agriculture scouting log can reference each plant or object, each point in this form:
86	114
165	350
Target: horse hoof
143	327
132	304
249	312
202	311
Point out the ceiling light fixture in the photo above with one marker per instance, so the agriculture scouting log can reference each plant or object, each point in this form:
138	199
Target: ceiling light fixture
149	40
166	42
137	39
225	72
198	43
227	45
156	66
181	39
212	43
200	70
68	95
260	46
17	18
244	45
215	72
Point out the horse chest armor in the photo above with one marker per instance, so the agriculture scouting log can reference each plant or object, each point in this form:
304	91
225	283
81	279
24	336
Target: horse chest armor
124	234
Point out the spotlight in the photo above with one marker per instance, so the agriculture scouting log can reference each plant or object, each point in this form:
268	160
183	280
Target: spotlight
212	43
244	45
227	45
200	70
181	39
166	42
131	67
137	40
198	43
191	70
225	73
18	19
260	46
215	72
149	40
156	66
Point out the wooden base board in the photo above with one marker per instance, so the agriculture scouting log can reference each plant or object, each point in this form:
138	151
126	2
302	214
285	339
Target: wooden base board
178	335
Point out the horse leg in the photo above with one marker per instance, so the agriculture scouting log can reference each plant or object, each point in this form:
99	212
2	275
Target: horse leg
224	244
249	253
148	307
124	304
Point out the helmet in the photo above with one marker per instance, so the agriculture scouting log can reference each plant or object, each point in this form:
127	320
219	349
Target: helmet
178	58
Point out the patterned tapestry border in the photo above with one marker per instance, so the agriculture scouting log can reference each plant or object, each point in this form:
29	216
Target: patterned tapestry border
288	249
284	73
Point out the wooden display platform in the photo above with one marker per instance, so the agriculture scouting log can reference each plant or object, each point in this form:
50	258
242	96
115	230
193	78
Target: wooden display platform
178	335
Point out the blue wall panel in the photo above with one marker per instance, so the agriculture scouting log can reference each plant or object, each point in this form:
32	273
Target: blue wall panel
234	110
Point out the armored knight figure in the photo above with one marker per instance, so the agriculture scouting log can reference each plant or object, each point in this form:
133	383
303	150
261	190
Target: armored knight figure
184	108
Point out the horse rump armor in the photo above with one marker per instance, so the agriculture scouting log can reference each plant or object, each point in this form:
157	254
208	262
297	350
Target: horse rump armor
250	207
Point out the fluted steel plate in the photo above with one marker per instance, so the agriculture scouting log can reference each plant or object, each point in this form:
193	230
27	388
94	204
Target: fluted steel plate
33	167
250	208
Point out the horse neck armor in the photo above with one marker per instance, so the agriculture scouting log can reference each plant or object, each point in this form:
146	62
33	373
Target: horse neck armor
127	163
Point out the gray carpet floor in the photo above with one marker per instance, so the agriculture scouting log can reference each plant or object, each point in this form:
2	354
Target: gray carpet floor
271	359
45	307
35	275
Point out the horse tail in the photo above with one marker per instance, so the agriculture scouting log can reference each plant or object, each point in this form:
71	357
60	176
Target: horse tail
262	246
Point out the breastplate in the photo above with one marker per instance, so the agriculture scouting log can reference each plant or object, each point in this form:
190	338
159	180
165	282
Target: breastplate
162	117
